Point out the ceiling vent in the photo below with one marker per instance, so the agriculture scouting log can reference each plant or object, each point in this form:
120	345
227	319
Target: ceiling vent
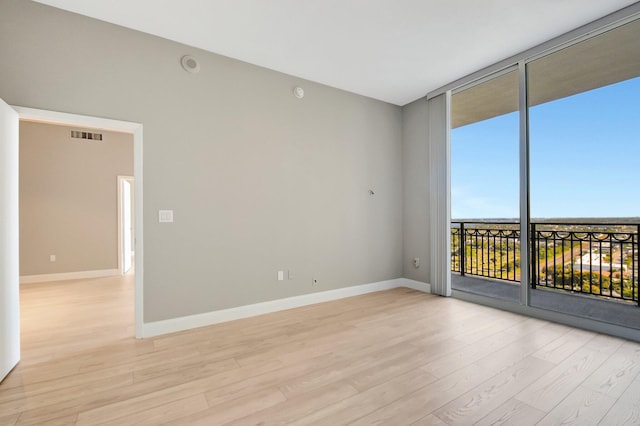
86	135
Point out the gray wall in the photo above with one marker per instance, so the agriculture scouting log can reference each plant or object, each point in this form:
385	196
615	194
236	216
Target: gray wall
68	198
259	180
416	190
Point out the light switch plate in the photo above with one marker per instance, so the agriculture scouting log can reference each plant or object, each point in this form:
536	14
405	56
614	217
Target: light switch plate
165	216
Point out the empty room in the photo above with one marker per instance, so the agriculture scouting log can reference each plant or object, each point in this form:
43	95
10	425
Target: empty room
387	212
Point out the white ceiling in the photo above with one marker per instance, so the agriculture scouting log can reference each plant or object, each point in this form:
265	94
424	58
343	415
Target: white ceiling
392	50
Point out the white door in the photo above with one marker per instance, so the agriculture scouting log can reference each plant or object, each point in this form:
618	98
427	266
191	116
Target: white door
126	225
9	266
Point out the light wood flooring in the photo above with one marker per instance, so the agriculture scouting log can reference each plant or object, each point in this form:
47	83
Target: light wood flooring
397	357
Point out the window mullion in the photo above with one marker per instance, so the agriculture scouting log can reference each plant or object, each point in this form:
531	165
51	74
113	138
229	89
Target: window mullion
524	183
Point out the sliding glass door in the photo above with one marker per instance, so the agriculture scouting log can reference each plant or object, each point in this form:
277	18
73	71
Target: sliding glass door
545	189
485	236
584	143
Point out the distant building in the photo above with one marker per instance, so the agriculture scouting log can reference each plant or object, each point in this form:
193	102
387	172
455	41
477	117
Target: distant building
594	262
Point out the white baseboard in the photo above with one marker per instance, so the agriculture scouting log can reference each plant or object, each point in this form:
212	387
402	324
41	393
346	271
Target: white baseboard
173	325
28	279
416	285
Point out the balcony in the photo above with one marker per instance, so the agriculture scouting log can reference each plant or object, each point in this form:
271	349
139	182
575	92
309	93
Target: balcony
597	261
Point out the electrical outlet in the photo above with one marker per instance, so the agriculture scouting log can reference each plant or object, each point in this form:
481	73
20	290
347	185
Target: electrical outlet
280	275
416	262
52	258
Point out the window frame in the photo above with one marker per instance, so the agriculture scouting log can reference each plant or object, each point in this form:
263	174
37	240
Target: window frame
520	62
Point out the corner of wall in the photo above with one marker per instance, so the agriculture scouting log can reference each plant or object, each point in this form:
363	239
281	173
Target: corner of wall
415	132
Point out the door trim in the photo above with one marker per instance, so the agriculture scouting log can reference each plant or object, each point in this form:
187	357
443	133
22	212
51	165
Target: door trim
119	181
9	245
54	117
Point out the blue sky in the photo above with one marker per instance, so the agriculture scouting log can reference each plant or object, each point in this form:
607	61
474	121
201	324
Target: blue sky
584	151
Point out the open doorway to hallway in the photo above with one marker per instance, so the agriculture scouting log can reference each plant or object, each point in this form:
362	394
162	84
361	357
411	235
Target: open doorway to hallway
73	288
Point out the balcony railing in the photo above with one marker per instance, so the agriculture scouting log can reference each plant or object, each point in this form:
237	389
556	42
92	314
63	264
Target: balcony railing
596	259
486	249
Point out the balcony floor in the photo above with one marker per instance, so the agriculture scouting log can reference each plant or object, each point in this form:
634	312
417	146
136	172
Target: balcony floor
613	312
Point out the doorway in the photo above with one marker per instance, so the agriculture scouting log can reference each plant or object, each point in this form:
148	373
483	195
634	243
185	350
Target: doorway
10	116
135	182
73	297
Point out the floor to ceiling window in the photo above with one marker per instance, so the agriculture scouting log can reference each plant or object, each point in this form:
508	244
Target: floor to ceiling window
584	144
484	187
575	147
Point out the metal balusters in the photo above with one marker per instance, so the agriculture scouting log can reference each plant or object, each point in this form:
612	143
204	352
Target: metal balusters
585	258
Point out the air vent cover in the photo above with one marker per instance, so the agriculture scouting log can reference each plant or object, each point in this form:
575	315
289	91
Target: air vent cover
86	135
